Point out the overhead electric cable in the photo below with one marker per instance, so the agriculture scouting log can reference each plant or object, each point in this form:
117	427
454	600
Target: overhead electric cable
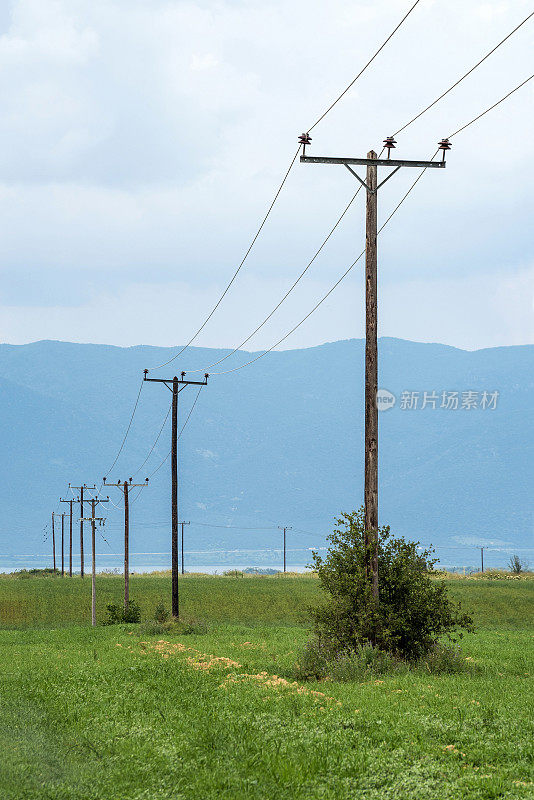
264	220
420	114
236	273
265	352
360	73
491	107
298	279
127	429
179	435
155	442
454	85
231	527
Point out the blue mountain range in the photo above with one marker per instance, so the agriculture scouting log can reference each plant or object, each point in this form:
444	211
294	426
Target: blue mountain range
279	442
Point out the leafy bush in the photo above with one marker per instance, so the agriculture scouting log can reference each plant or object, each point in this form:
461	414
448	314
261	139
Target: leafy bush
517	565
319	660
160	613
413	610
118	615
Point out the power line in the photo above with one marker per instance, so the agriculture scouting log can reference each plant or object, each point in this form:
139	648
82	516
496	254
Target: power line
236	273
127	429
179	436
321	301
360	73
491	107
155	442
454	85
264	220
230	527
299	278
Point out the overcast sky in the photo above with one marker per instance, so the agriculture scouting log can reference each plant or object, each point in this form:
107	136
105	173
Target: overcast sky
141	141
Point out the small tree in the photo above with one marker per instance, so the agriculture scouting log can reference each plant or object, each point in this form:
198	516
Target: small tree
517	565
413	610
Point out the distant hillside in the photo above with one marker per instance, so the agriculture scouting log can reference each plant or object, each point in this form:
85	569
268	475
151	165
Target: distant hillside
280	442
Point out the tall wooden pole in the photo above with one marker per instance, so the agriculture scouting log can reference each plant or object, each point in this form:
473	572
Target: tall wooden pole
175	601
371	374
126	546
183	565
284	549
70	541
93	566
63	545
54	540
81	532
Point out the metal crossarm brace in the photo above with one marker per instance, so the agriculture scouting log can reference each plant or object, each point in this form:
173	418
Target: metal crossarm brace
374	162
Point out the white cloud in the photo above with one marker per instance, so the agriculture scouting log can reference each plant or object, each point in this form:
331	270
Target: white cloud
141	143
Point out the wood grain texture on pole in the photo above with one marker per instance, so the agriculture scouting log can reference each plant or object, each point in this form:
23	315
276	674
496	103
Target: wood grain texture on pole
175	601
126	546
371	373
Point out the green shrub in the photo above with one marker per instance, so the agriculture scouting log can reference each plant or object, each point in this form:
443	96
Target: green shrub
320	660
160	613
413	610
118	615
517	565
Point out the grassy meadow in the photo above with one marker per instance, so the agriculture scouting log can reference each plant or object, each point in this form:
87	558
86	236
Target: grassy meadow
126	712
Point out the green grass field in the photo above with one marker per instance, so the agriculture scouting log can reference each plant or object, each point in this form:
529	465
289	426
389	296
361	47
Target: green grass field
112	713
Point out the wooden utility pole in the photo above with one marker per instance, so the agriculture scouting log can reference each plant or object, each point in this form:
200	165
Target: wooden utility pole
63	545
173	385
175	598
70	501
126	487
371	374
93	519
54	540
284	528
82	572
70	540
183	563
482	558
81	500
372	186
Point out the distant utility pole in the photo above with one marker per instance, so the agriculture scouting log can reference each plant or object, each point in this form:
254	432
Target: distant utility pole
93	519
482	558
371	343
126	487
70	502
284	528
62	545
182	524
54	539
172	384
81	500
